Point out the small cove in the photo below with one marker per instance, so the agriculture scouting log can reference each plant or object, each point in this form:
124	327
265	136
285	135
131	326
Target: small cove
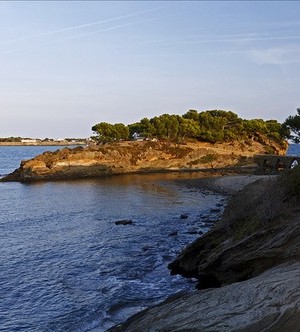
68	267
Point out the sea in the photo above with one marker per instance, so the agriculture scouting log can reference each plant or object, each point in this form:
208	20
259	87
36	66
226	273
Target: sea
65	263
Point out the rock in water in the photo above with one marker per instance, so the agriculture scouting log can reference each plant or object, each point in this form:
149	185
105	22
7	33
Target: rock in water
124	222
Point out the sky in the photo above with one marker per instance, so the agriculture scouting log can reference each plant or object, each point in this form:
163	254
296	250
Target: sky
67	65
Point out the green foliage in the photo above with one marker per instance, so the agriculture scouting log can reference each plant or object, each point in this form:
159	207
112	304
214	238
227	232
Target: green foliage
264	202
191	115
290	181
291	127
144	128
107	132
11	139
209	126
207	159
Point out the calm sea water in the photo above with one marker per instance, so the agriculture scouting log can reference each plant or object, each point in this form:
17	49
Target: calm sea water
66	265
293	150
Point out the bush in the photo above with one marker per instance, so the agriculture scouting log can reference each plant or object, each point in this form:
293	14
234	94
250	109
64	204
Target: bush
262	203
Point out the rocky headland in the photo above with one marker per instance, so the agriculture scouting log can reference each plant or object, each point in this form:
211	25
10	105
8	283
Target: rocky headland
247	266
126	157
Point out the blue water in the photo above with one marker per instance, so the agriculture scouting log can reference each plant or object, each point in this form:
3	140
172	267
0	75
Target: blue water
10	157
293	150
66	265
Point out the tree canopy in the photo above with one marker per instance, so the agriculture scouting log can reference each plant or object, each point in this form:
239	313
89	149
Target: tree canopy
209	126
107	132
291	127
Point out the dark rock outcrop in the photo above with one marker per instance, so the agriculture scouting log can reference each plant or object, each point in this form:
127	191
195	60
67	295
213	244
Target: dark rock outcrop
228	262
124	222
184	216
247	266
243	243
268	302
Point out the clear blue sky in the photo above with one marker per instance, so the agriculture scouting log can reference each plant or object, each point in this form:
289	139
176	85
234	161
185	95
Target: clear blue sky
65	66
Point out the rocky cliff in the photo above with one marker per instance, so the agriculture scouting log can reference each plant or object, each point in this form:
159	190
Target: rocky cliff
247	266
265	303
129	157
259	229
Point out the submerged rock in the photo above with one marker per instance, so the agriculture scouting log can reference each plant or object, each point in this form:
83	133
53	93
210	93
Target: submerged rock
184	216
193	230
175	233
124	222
216	210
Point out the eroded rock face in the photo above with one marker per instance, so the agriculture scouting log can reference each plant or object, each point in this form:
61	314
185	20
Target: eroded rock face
268	302
215	262
129	157
244	243
257	244
248	267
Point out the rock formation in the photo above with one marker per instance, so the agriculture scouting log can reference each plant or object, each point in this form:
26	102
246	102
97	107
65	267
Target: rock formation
247	266
267	302
129	157
252	236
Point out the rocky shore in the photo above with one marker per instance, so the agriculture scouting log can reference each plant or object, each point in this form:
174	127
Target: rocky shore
247	266
136	157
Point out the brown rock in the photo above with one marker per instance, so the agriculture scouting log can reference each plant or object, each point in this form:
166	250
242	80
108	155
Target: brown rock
130	157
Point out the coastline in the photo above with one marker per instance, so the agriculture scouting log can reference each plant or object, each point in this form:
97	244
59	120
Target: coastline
237	304
225	184
236	307
253	241
134	158
55	143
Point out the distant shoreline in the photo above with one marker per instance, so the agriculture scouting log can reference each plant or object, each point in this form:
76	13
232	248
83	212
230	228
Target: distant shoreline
54	143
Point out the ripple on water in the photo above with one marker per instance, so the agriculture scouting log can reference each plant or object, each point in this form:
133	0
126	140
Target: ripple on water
66	266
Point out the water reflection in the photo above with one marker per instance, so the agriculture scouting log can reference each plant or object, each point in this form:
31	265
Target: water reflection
66	265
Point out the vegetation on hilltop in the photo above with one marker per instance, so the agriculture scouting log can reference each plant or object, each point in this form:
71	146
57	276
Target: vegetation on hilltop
10	139
212	126
292	127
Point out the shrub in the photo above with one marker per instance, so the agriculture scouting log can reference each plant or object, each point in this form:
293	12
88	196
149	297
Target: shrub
208	159
262	203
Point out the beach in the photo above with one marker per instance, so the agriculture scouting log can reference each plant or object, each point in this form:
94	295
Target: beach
226	184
